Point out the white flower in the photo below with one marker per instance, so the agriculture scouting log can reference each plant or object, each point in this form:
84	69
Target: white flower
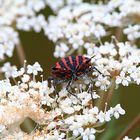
101	116
88	134
106	116
135	74
52	125
25	78
2	128
21	72
94	110
132	32
75	133
6	49
108	48
102	82
61	50
123	79
95	95
124	48
85	97
9	38
113	19
118	111
89	47
35	23
126	138
98	31
5	87
8	70
34	69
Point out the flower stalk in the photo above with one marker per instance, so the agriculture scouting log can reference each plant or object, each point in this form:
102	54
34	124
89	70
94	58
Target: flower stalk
110	92
20	53
131	127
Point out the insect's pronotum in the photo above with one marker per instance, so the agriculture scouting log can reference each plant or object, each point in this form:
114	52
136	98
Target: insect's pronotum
70	69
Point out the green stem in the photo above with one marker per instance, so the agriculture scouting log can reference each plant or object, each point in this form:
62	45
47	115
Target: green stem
110	92
135	123
106	97
100	102
20	53
80	50
118	33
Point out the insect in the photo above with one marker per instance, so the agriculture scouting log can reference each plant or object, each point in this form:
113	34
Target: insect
70	69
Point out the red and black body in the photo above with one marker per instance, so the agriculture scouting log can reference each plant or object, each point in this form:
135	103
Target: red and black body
70	69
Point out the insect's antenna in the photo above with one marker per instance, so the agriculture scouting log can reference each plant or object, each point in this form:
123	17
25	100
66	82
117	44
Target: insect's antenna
97	70
90	59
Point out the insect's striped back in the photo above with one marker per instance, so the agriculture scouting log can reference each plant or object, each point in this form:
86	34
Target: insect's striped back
71	62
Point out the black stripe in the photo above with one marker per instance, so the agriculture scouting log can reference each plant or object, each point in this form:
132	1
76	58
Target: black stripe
74	62
68	63
62	64
80	60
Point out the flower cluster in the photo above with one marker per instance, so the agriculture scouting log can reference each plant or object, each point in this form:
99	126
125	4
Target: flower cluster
8	38
112	60
132	32
57	117
19	9
78	113
20	15
75	26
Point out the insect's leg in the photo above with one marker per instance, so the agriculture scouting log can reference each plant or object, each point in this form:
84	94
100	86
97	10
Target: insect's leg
55	82
68	89
55	89
90	87
94	68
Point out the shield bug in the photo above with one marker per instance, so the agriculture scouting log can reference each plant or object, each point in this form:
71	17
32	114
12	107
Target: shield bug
70	69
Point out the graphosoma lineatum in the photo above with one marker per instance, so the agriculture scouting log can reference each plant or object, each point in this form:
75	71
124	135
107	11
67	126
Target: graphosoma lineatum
70	69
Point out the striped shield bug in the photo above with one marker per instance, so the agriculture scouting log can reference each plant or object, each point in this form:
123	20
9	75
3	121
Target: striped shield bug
70	69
